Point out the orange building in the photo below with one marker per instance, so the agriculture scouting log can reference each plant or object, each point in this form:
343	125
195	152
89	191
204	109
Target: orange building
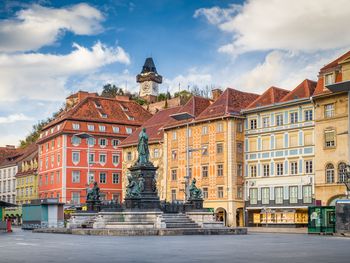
90	125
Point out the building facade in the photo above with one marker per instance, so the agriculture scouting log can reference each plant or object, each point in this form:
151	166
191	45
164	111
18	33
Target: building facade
27	176
280	157
215	153
331	132
82	145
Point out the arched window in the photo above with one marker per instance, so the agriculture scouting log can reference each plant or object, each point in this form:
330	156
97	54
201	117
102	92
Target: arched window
341	172
330	173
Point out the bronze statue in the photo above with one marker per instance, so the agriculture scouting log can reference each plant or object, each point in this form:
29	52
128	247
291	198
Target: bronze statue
141	184
93	194
142	148
133	188
195	193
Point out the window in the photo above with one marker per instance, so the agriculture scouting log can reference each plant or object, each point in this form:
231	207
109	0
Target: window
293	117
129	130
253	196
329	110
266	122
76	140
174	175
115	159
115	177
219	148
279	195
239	169
205	150
92	158
76	176
308	115
204	171
253	171
266	168
58	177
279	120
58	158
75	198
75	157
239	192
129	156
279	168
115	142
156	153
328	79
220	170
204	130
91	177
253	124
307	194
239	147
130	117
205	192
102	158
329	173
52	160
116	198
174	135
342	173
308	167
220	192
173	194
91	127
174	154
265	195
240	127
102	128
329	137
91	141
293	167
52	177
115	129
293	194
102	142
52	144
46	179
219	127
102	178
76	126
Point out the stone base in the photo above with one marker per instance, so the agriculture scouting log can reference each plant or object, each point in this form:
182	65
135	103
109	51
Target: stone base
194	204
205	219
81	220
342	210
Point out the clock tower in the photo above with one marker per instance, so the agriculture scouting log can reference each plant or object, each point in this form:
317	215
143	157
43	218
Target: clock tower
149	80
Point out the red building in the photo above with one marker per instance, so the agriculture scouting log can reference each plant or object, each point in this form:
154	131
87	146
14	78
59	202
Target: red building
90	125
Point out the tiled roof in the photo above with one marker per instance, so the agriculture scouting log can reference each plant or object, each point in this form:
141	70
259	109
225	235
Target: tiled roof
195	106
154	127
304	90
28	151
12	158
270	96
230	102
6	151
106	110
335	62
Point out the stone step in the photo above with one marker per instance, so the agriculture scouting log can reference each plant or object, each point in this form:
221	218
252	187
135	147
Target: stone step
182	225
177	220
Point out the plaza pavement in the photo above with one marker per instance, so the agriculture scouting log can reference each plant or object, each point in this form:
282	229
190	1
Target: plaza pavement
25	246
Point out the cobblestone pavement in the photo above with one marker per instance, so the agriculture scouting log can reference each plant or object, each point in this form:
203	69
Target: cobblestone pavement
24	246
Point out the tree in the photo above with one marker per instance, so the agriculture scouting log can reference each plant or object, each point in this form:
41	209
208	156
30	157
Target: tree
164	96
110	91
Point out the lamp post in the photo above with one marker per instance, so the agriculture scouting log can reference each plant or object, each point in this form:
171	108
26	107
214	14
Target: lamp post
87	136
181	117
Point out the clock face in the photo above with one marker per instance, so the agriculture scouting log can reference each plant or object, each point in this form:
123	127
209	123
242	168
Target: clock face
146	87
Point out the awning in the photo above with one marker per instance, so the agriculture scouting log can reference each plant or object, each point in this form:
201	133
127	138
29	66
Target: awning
6	204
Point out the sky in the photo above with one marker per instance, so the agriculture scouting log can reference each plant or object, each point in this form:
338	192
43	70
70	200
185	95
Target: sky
50	49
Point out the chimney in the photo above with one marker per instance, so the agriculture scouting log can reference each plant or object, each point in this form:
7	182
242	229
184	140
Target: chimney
122	98
77	97
216	93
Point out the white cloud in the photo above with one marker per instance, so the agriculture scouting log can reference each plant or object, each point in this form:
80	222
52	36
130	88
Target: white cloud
14	118
44	76
299	25
39	26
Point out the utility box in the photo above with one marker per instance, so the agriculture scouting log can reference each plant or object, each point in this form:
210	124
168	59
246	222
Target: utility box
342	212
43	213
321	220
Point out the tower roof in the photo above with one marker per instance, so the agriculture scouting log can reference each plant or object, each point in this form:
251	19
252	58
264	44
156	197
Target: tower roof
149	66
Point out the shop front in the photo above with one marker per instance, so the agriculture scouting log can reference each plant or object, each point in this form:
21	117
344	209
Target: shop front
278	217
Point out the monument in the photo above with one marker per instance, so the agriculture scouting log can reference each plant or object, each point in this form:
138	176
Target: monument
141	190
93	201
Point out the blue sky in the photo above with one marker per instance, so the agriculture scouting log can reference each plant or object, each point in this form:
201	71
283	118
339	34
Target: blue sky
50	49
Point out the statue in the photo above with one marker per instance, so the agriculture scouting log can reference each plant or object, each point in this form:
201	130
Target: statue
141	184
133	188
93	194
154	185
195	193
142	148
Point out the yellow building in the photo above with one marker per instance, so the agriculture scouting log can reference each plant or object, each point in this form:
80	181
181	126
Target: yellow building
279	157
154	129
215	139
331	131
27	176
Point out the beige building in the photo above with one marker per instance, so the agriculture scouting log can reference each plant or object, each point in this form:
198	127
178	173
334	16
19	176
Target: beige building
215	139
331	131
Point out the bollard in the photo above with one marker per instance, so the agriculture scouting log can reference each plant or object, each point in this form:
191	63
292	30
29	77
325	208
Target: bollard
8	224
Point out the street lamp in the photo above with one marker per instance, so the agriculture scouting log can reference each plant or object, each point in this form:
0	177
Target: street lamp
181	117
87	136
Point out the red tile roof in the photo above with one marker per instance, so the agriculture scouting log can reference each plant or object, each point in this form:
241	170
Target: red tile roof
335	62
230	102
6	151
154	127
270	96
12	158
304	90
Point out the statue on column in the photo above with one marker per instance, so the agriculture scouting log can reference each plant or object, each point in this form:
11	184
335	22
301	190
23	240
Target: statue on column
142	148
195	192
